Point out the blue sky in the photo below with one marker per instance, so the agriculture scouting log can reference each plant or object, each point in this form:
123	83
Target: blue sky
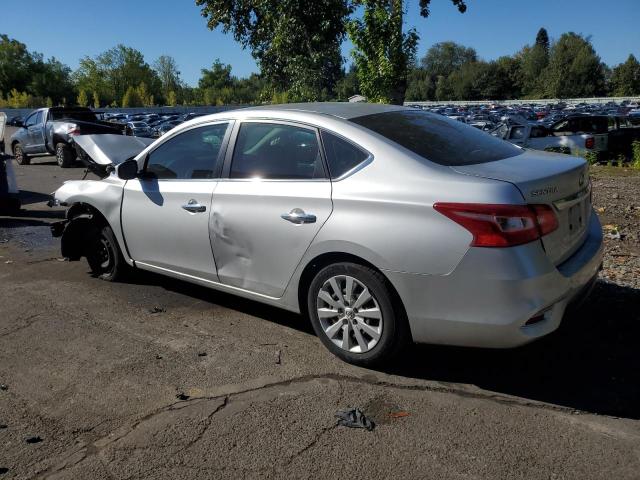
175	27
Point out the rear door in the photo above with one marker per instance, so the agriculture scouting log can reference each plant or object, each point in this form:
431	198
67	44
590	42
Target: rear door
273	199
165	212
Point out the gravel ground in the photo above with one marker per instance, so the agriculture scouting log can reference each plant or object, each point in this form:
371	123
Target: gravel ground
616	197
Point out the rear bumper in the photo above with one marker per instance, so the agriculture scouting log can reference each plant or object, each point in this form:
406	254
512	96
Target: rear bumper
492	293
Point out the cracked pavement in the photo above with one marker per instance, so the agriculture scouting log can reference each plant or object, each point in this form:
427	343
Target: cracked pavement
91	369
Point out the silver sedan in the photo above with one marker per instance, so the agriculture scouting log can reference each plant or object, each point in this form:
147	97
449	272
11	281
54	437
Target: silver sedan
381	224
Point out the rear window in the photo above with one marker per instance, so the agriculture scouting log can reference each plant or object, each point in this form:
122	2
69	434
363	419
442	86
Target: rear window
437	138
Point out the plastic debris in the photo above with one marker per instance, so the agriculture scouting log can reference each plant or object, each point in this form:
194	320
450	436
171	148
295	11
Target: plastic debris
354	418
202	354
156	310
35	439
182	396
3	386
399	414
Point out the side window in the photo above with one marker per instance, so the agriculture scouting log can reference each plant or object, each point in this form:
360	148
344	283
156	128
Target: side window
342	156
31	119
189	155
276	151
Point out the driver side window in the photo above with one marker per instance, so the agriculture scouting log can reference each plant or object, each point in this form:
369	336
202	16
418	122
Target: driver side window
190	155
31	120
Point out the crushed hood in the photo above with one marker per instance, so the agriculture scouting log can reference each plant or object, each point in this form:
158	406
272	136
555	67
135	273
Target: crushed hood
111	149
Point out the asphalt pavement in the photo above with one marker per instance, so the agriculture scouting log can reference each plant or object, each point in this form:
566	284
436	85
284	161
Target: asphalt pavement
156	378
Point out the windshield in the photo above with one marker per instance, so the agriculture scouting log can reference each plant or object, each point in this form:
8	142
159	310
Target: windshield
437	138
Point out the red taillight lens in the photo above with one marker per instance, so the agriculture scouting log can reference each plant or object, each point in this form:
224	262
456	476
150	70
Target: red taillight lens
590	142
501	225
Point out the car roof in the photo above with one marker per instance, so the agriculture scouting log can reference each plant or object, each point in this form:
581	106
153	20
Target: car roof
345	110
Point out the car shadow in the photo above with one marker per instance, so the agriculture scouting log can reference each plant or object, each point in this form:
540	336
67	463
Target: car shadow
590	363
28	197
215	297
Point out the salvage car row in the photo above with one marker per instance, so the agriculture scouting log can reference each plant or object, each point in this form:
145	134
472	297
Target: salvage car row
605	129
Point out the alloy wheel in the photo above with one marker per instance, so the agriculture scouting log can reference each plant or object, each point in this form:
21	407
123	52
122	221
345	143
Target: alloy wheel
349	314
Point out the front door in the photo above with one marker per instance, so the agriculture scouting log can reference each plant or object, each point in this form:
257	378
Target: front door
35	133
165	212
273	199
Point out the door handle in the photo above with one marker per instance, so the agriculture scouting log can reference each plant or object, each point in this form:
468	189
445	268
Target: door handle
298	217
194	207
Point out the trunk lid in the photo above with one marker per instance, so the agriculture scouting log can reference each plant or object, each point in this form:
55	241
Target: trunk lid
560	181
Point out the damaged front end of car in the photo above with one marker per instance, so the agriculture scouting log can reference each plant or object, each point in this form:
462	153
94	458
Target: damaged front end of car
92	204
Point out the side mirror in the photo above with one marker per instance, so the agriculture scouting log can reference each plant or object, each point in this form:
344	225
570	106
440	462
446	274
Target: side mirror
127	170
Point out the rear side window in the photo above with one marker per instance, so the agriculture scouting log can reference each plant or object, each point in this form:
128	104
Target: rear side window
437	138
276	151
342	156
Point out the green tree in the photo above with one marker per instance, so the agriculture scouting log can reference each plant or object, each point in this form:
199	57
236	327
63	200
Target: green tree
444	58
542	39
295	43
82	100
172	98
131	98
167	70
218	77
96	100
625	78
383	53
112	73
348	84
15	64
574	69
420	86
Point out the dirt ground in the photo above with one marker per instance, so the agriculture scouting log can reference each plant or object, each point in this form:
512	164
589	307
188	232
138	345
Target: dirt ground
159	379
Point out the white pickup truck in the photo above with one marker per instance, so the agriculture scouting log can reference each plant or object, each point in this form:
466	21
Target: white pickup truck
540	137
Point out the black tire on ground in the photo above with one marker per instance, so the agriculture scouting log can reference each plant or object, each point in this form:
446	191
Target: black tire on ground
21	157
395	332
104	255
64	155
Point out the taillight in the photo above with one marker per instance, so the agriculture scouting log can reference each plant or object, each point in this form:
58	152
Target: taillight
73	129
589	143
501	225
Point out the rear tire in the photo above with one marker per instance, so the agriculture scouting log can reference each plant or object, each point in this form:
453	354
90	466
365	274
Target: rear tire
64	155
104	255
376	329
21	157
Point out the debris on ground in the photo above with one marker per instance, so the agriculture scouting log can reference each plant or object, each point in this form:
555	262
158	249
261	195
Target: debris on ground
158	357
354	418
35	439
182	396
202	354
3	426
3	386
279	357
156	310
3	470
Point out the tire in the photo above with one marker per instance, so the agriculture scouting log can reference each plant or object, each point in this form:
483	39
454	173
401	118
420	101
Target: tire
64	155
104	255
381	338
21	157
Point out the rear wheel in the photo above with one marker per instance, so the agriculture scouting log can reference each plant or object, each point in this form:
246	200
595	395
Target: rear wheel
355	316
64	155
104	256
21	157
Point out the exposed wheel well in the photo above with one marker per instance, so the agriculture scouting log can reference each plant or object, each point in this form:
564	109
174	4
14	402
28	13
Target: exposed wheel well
321	261
81	217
